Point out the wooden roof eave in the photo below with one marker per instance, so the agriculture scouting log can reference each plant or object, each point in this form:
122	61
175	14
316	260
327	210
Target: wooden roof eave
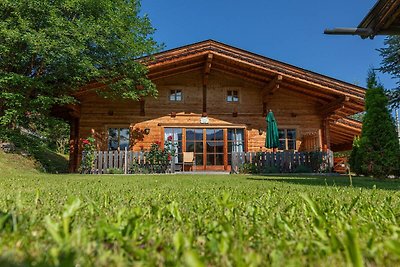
270	65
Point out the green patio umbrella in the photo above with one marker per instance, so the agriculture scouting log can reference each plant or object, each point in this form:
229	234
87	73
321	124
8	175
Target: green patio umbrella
272	140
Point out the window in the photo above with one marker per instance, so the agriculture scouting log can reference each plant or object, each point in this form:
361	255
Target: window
118	138
175	95
175	134
287	139
232	96
235	142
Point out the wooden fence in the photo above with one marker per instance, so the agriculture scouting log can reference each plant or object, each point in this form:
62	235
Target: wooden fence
126	162
285	161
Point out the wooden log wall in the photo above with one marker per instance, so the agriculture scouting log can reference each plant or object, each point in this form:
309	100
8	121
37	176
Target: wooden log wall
291	110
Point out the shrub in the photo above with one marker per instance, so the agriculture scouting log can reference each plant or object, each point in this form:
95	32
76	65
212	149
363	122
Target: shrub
89	148
378	151
248	168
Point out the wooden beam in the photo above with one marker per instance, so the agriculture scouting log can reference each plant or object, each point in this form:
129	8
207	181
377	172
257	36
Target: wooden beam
207	67
271	87
330	108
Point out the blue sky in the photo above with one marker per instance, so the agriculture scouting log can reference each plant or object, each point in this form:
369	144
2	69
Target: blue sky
287	30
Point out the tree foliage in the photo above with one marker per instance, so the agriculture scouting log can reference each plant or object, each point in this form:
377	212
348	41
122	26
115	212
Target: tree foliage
391	64
50	48
377	152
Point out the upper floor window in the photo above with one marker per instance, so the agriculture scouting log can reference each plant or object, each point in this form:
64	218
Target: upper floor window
118	138
287	139
175	95
232	96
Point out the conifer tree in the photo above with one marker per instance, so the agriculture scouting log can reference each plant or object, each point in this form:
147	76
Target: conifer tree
378	151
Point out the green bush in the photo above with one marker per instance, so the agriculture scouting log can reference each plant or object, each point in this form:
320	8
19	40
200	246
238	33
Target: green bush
377	153
248	168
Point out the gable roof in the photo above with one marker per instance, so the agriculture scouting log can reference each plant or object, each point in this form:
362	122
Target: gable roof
209	55
255	68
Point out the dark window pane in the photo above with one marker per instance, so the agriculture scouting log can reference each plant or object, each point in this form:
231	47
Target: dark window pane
282	145
231	134
219	159
291	134
179	146
190	146
112	139
230	144
219	134
198	147
178	133
219	147
210	159
210	147
199	134
190	134
281	133
199	159
210	134
291	144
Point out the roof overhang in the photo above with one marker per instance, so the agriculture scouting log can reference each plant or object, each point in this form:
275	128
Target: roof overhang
337	99
262	71
383	19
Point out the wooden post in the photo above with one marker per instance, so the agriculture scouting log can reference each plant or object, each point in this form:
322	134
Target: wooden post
126	161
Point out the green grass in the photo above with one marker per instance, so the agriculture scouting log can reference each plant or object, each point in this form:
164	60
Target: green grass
196	220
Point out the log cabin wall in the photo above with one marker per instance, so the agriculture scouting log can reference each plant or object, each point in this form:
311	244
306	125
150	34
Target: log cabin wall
316	106
291	110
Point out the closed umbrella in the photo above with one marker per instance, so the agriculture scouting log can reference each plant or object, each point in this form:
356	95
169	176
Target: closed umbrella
272	140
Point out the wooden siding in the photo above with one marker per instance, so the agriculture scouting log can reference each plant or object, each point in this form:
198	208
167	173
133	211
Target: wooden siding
98	114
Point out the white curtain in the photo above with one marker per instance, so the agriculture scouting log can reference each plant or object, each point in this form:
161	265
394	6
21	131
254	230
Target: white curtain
237	144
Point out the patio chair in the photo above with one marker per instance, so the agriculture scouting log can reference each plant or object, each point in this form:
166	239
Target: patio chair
188	157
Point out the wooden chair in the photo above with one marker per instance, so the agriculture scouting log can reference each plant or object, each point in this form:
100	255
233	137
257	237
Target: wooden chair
188	157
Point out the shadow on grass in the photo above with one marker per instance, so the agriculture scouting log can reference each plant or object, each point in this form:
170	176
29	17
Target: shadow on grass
360	182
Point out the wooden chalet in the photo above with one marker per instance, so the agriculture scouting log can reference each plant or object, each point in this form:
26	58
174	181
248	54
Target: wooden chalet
213	99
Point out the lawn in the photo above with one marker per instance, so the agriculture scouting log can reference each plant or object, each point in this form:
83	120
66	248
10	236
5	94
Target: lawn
197	220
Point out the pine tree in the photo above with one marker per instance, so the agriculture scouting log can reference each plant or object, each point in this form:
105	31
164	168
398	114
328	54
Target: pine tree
378	152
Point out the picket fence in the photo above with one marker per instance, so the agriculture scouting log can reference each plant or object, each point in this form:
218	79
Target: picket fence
125	161
284	162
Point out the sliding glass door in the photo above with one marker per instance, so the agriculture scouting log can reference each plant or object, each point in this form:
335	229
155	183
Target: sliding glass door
212	147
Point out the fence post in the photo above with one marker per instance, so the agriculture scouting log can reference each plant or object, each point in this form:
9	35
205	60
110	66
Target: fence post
126	161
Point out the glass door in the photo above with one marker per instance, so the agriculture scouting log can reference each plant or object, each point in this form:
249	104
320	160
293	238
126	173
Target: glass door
194	143
215	147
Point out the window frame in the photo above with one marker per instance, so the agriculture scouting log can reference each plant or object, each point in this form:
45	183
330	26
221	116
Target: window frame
286	139
119	128
229	92
174	92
